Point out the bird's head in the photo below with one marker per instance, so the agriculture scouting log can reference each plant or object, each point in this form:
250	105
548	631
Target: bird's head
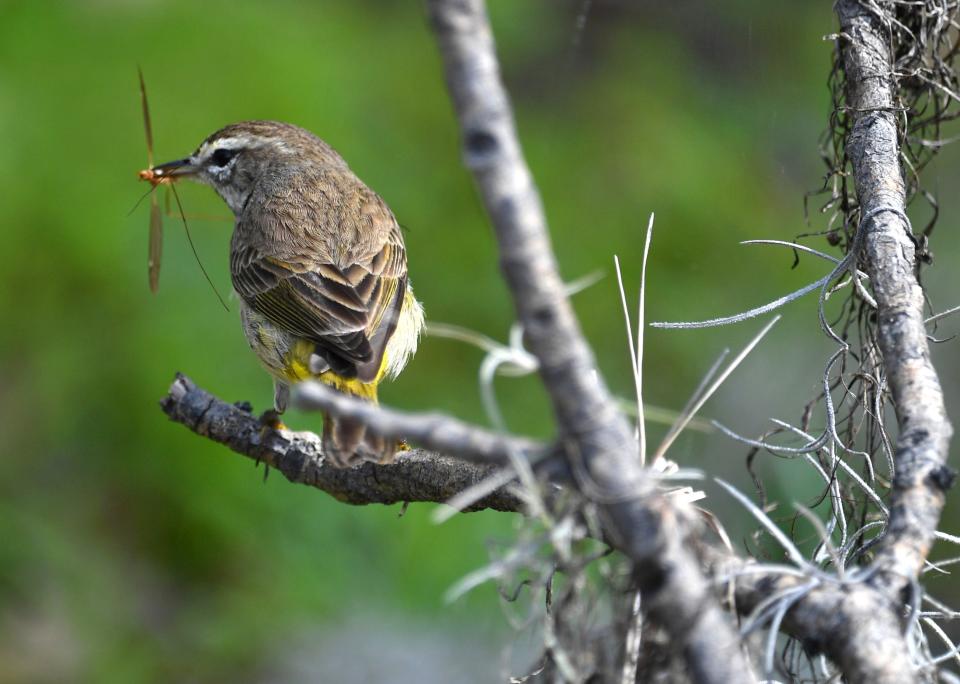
239	156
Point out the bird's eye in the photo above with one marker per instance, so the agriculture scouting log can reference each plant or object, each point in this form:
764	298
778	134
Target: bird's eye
222	156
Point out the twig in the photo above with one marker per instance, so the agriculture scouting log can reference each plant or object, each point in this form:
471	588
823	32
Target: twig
649	529
433	431
414	476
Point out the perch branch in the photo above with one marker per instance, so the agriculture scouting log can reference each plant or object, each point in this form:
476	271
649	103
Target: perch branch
433	431
889	251
428	477
597	439
415	475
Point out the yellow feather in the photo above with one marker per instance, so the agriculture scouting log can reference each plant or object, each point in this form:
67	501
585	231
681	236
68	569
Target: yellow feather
366	390
297	369
288	359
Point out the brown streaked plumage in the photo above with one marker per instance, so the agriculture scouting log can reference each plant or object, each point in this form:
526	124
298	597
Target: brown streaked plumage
319	263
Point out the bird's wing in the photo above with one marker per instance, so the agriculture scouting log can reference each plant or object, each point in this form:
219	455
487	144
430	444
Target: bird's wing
349	312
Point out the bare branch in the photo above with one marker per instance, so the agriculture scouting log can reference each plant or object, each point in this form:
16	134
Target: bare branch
889	251
859	623
648	528
823	617
851	623
434	431
415	475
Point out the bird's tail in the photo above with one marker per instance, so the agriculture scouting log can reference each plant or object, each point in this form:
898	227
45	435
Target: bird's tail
347	442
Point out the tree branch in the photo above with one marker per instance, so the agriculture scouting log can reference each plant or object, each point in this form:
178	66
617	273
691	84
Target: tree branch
851	623
921	477
859	625
641	522
434	431
415	475
831	618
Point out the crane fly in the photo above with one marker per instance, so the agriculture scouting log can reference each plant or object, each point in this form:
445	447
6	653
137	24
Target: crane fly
156	177
156	221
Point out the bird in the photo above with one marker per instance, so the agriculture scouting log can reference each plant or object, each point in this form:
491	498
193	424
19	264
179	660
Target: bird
318	262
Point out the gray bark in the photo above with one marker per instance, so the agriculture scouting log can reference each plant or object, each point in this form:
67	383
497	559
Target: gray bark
852	623
649	529
889	253
414	476
861	625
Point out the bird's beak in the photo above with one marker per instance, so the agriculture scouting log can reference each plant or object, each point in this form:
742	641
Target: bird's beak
180	167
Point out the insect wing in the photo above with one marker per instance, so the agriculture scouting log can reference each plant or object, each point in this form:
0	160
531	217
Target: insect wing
148	129
156	243
156	220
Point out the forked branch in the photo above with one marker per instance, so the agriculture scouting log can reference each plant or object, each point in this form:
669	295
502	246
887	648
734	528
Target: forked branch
650	530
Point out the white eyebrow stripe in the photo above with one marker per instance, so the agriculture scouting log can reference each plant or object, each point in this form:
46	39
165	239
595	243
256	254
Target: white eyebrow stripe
230	143
236	142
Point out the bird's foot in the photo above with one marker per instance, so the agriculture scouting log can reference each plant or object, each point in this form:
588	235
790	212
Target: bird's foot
270	420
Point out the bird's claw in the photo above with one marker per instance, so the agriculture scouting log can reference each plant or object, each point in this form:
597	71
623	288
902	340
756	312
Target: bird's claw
270	420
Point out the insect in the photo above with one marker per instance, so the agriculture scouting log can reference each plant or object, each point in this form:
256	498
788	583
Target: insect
156	221
155	177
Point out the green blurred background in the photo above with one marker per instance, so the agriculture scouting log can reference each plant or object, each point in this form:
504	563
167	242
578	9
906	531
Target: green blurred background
131	549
